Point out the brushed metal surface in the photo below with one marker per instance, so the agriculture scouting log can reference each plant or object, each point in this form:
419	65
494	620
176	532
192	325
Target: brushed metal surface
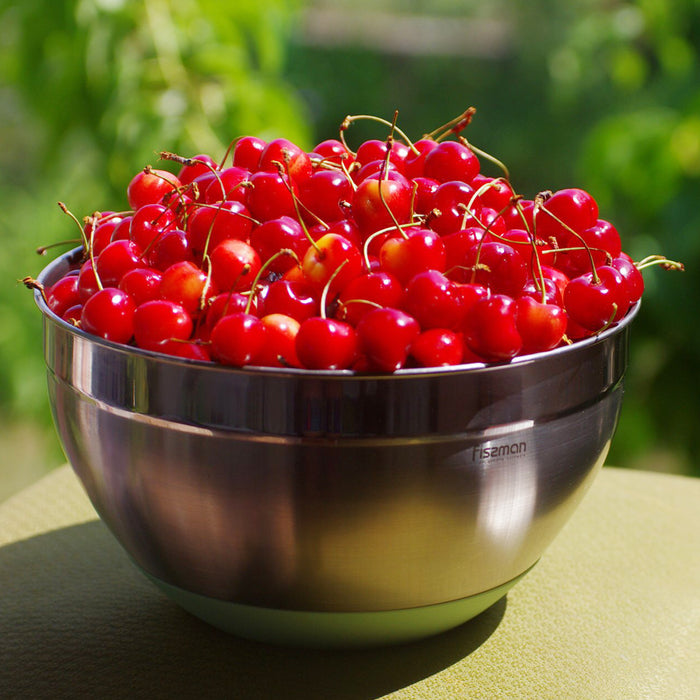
326	490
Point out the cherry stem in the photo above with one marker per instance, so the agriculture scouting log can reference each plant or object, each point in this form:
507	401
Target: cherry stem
42	250
263	269
540	200
34	285
86	243
344	304
345	125
381	232
324	293
283	169
454	126
661	261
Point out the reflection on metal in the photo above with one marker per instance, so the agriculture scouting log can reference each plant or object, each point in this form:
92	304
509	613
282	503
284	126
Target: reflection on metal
328	491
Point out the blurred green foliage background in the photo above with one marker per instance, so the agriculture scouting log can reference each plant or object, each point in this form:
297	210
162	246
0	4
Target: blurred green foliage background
600	94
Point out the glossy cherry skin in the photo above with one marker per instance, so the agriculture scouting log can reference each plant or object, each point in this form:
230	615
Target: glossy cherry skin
326	343
332	260
109	314
293	298
234	265
272	236
540	325
150	187
433	300
237	339
159	321
63	294
631	274
142	284
451	160
187	285
271	195
367	291
380	202
188	173
491	330
566	210
594	301
279	349
438	347
247	152
417	250
385	338
497	266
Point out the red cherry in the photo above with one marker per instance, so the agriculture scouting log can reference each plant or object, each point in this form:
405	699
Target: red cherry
234	265
382	201
204	164
149	187
377	288
149	223
541	326
63	294
277	234
491	330
438	347
229	185
457	246
323	261
497	266
116	260
173	246
270	195
158	321
593	301
494	193
326	343
323	193
185	284
632	276
237	339
417	250
433	301
142	284
280	341
292	298
425	189
109	314
599	243
385	337
87	281
414	162
570	208
208	226
291	158
224	304
451	160
333	151
376	150
247	152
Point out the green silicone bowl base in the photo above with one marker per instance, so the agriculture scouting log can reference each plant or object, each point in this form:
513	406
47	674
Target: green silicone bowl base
333	629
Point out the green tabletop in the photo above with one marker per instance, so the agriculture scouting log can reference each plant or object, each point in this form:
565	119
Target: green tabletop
611	611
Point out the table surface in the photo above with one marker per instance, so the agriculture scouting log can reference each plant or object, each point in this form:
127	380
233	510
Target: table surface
612	610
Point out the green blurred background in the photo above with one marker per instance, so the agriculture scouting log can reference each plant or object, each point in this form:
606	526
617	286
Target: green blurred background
600	94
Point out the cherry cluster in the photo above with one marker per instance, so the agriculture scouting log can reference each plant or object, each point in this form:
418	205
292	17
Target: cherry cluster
397	254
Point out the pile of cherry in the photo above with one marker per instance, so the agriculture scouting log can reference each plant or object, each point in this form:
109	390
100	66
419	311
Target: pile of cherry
395	255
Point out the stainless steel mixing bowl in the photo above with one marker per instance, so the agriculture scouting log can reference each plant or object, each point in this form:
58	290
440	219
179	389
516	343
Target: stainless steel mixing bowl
325	507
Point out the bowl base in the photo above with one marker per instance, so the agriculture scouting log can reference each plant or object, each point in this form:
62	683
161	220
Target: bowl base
339	630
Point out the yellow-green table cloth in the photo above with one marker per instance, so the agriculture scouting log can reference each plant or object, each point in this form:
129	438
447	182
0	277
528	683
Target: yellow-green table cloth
612	610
